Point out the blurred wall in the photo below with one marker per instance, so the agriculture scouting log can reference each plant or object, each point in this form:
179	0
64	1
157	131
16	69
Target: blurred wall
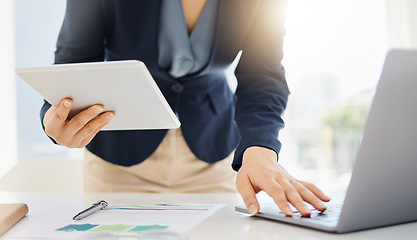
8	140
37	24
402	23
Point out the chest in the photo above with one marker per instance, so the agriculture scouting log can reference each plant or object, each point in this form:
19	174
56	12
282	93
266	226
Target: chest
132	29
192	10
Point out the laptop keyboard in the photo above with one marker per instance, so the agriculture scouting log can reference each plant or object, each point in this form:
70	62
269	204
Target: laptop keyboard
334	208
331	214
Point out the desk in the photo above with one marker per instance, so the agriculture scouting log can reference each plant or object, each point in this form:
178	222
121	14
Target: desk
224	224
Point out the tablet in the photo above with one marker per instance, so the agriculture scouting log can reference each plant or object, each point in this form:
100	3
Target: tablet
125	87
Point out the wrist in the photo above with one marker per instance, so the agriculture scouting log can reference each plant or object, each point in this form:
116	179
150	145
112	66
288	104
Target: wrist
258	153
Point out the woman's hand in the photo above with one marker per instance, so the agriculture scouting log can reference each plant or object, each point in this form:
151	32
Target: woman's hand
261	171
78	131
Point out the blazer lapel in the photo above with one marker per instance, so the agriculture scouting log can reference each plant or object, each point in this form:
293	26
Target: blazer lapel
134	34
233	24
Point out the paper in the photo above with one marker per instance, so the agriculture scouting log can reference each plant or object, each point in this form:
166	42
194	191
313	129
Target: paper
131	220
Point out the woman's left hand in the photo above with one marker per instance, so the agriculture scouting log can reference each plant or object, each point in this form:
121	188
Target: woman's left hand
261	171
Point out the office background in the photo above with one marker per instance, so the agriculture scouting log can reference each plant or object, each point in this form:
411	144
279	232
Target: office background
334	51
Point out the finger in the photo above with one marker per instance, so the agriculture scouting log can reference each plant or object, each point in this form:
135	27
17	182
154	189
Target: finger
87	133
316	191
55	118
89	138
277	193
308	196
247	192
81	119
62	112
294	198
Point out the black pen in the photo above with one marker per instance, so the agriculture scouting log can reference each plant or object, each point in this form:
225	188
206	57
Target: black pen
94	208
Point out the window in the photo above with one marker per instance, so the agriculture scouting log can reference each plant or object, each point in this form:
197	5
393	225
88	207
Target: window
333	54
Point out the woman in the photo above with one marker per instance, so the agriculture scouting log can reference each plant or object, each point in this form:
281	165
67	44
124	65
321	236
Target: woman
187	46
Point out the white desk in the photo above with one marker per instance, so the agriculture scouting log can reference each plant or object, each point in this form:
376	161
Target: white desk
224	224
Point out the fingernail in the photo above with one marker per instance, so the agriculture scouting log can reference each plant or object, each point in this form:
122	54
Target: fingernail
252	209
110	116
305	211
322	206
97	110
67	104
288	211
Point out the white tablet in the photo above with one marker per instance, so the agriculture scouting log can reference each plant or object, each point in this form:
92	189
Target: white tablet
125	87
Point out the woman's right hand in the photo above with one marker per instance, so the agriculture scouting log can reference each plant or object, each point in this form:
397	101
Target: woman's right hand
78	131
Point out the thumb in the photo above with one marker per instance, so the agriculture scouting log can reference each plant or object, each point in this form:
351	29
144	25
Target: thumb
245	188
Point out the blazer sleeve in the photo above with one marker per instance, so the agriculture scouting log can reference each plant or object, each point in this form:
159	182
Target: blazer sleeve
82	36
262	91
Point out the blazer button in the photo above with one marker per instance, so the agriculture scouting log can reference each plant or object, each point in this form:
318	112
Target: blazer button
178	88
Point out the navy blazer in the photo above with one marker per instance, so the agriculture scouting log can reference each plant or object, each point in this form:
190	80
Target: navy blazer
215	121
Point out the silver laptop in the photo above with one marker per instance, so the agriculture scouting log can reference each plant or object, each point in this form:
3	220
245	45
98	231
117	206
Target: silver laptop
383	188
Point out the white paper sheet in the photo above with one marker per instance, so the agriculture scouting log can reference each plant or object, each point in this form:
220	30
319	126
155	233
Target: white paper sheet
127	221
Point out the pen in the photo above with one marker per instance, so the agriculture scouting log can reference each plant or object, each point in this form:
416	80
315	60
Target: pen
94	208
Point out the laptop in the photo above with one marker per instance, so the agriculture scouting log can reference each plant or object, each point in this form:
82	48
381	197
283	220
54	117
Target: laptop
383	187
125	87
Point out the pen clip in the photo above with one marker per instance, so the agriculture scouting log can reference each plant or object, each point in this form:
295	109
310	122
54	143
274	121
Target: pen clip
103	203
